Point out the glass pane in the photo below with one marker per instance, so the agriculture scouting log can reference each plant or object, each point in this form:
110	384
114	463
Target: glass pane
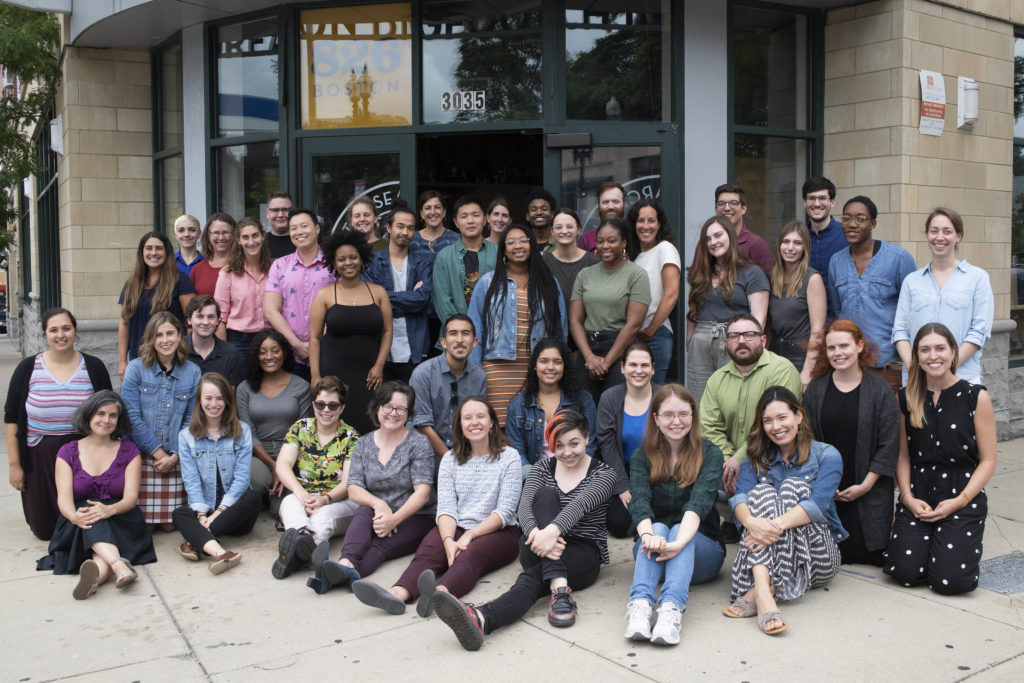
618	61
356	66
770	68
1017	256
771	172
1018	88
637	169
247	78
340	180
480	64
172	175
248	174
170	80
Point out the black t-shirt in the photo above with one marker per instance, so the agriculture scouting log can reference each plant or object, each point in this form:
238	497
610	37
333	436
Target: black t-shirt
839	415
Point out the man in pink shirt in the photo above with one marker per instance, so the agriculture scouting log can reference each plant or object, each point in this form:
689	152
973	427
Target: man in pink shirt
611	203
731	202
293	281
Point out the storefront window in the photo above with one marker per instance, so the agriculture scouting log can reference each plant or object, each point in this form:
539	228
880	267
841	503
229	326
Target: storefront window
1017	226
356	66
481	67
247	174
171	97
771	172
341	179
770	68
637	169
172	182
618	61
247	78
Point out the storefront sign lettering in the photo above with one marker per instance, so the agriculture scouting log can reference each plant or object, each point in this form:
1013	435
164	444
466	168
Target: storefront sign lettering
383	197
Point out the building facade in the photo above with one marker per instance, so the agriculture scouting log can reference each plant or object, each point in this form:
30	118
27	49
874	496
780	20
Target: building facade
169	107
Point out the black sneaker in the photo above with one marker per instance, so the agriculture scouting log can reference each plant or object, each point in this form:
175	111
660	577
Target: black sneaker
730	534
461	618
304	548
562	611
287	560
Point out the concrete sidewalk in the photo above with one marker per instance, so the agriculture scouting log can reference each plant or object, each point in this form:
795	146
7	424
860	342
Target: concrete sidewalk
179	622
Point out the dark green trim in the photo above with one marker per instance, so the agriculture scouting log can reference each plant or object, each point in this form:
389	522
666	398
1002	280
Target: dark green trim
156	62
767	132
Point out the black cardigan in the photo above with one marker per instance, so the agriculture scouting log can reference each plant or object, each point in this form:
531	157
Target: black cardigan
878	426
17	396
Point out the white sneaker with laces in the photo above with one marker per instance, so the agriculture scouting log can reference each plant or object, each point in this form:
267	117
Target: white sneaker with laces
666	629
638	620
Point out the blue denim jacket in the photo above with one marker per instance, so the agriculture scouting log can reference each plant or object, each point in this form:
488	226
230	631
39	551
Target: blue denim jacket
159	404
414	306
202	458
823	470
499	342
524	423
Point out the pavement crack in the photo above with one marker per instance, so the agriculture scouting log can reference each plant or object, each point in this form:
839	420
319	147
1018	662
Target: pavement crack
990	667
177	626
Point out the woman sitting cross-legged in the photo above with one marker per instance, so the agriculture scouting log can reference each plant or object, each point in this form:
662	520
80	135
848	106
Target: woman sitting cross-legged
313	464
391	479
784	502
674	478
216	454
478	488
100	532
561	513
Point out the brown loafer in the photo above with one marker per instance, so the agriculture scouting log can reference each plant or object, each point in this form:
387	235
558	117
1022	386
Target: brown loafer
188	551
222	563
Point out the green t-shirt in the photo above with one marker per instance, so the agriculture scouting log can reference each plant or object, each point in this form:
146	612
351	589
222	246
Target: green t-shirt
606	294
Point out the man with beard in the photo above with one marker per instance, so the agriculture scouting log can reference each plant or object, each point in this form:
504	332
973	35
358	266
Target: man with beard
730	398
407	279
611	203
444	381
540	211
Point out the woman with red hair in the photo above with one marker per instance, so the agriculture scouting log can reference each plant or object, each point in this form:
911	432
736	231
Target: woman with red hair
856	412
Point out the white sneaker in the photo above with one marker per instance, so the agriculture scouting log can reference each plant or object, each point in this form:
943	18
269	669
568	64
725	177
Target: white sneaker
666	630
638	620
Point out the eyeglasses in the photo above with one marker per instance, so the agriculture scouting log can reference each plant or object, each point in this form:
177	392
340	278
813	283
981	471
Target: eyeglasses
732	203
397	410
329	407
221	233
817	198
859	220
672	417
749	335
284	210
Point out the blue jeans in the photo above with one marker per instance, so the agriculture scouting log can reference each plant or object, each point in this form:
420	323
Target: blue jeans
661	347
240	340
698	562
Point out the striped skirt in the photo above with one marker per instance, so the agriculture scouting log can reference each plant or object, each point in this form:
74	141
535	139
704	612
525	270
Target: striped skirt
802	558
504	380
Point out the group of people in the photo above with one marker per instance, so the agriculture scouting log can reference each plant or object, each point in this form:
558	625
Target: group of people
470	399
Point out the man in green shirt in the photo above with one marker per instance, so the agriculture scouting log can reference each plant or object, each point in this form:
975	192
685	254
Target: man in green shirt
730	398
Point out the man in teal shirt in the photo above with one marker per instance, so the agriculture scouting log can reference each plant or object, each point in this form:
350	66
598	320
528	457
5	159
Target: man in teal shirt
730	398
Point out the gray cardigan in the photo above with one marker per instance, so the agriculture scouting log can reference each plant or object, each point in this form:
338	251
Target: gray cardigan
878	425
609	433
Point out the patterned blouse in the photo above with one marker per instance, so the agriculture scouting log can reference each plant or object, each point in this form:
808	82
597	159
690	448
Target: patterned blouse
320	467
51	404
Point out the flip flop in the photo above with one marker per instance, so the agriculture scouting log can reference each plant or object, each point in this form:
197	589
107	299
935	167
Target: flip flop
88	580
749	609
765	617
127	576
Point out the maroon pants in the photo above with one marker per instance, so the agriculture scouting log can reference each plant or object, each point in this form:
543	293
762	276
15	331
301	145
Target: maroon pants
484	555
367	551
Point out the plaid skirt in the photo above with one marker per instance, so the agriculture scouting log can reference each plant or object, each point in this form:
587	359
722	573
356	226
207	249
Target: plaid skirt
159	493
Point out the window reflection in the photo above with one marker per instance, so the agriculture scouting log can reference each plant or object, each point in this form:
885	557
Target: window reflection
618	60
637	169
248	174
340	179
479	65
247	73
771	172
171	97
770	68
172	179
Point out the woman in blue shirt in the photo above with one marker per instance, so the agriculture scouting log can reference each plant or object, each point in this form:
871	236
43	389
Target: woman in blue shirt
950	291
216	454
784	502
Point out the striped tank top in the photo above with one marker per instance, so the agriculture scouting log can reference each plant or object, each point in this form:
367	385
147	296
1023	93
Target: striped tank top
50	403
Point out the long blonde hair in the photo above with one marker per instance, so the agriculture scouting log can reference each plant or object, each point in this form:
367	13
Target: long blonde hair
167	278
780	288
917	386
656	445
704	267
198	426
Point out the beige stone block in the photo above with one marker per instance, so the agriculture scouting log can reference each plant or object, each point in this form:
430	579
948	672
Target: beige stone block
839	172
995	98
92	165
71	237
904	198
98	284
960	63
907	83
878	171
112	142
986	150
93	213
99	307
998	229
840	119
839	63
880	56
965	174
106	94
989	43
128	256
114	236
89	70
114	54
860	31
91	118
1017	13
907	24
70	92
987	203
941	31
930	196
92	260
135	167
999	71
924	7
136	120
840	15
132	73
73	187
135	213
925	171
925	56
1000	279
878	113
858	88
858	144
998	177
1002	301
101	189
987	255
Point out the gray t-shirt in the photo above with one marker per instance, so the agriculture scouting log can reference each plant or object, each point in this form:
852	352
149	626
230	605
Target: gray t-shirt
271	418
749	280
411	463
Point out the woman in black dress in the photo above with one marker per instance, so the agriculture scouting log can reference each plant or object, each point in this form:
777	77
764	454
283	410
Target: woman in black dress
350	327
946	458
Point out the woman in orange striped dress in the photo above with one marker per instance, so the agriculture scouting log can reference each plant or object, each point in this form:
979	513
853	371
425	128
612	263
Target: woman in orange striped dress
514	307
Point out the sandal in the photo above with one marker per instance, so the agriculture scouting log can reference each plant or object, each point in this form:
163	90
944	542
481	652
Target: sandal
764	618
127	576
88	580
748	609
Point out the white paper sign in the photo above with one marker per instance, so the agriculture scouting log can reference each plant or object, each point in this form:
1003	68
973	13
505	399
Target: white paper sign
933	103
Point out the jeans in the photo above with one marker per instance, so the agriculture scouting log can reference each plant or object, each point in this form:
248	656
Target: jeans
240	340
661	347
698	562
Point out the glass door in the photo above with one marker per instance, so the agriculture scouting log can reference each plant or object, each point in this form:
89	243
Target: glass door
337	171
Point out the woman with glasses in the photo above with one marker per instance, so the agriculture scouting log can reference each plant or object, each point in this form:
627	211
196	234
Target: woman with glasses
218	240
513	307
391	479
313	464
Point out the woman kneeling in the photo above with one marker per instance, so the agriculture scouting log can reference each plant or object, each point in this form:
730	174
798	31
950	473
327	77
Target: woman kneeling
562	513
784	502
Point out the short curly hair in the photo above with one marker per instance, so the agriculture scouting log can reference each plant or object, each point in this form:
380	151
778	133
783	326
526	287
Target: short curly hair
341	238
82	418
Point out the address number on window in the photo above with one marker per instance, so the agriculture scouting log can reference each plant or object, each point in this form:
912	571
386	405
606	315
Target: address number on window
463	100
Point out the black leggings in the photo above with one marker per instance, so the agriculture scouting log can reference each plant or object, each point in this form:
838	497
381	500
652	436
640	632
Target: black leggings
237	520
580	565
618	519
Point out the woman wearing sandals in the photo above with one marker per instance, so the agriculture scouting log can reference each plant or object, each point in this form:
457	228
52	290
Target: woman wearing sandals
784	502
561	514
478	488
100	532
216	454
674	478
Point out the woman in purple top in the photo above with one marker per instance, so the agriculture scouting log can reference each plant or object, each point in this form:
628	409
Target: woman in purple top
100	532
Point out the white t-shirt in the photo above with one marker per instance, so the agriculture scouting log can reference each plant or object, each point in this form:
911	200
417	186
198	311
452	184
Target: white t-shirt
653	261
400	351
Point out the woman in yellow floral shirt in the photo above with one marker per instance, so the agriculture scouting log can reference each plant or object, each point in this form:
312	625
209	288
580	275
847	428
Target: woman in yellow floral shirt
313	465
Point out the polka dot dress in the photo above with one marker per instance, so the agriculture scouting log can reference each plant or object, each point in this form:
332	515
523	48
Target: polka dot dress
943	455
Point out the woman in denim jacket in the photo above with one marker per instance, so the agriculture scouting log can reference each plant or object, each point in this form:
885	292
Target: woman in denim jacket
158	389
784	502
513	308
548	388
216	454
